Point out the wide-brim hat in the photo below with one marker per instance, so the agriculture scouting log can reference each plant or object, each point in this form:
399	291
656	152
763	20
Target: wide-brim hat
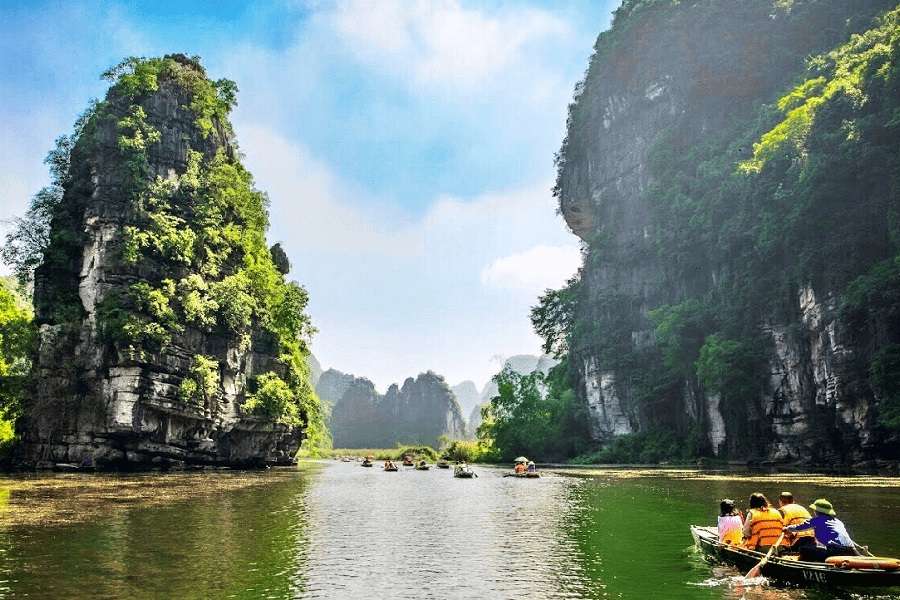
823	506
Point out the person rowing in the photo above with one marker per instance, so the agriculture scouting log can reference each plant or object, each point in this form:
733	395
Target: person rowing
831	535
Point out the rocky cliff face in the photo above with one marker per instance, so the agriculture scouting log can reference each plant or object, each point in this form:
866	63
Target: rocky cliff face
168	335
715	299
419	412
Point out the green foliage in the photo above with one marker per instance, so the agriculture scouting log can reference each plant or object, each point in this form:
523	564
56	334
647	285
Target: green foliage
885	374
648	447
720	367
680	330
201	386
200	310
535	415
554	315
273	398
416	452
211	101
17	338
470	451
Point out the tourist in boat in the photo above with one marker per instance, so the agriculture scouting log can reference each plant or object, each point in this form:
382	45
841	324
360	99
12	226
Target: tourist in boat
520	468
794	514
763	524
831	535
531	467
731	527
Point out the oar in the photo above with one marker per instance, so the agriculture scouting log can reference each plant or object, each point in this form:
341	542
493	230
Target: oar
755	571
863	548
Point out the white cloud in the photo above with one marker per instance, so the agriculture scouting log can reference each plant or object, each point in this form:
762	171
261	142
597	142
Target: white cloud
533	270
394	297
443	42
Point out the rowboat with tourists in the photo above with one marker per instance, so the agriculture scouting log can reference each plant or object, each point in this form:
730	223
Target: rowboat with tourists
788	568
408	461
443	464
367	462
790	545
523	468
390	466
422	466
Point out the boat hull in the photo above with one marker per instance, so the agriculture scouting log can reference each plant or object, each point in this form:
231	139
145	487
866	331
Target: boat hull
790	571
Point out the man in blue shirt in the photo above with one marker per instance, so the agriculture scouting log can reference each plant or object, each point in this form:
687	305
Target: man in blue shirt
831	535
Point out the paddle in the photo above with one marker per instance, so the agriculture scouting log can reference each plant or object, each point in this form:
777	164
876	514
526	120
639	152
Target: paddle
755	571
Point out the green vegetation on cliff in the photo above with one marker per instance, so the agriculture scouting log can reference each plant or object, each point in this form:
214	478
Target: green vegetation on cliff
195	240
16	347
797	190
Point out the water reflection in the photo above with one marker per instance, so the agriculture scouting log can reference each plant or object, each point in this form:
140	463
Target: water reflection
416	534
340	531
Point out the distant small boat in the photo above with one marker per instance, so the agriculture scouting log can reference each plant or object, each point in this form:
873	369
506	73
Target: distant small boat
394	468
530	475
366	463
464	472
345	459
422	467
443	464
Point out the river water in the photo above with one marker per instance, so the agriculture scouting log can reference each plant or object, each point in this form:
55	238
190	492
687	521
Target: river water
336	530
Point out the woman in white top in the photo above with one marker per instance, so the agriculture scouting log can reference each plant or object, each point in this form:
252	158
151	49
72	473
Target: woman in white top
731	527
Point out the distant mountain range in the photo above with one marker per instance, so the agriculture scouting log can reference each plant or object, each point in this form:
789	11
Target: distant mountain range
419	412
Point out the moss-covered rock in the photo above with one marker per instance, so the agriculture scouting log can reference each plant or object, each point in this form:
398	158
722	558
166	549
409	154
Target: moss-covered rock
168	332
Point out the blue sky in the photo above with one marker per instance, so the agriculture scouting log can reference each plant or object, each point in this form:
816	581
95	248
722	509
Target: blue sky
407	148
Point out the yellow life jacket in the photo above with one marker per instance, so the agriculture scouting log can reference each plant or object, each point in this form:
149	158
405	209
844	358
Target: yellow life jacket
765	527
794	514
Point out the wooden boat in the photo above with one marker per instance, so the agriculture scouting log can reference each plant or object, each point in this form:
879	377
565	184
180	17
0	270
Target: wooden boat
443	464
394	468
788	569
529	475
367	463
422	467
464	472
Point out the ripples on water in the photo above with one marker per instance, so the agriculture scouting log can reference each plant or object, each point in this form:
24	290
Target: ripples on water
428	535
337	530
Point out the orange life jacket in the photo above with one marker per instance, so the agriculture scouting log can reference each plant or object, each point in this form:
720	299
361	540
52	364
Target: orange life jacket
795	514
765	527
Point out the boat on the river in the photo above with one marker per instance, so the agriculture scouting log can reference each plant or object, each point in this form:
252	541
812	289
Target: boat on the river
423	466
527	475
464	472
367	461
443	464
789	569
408	462
391	468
